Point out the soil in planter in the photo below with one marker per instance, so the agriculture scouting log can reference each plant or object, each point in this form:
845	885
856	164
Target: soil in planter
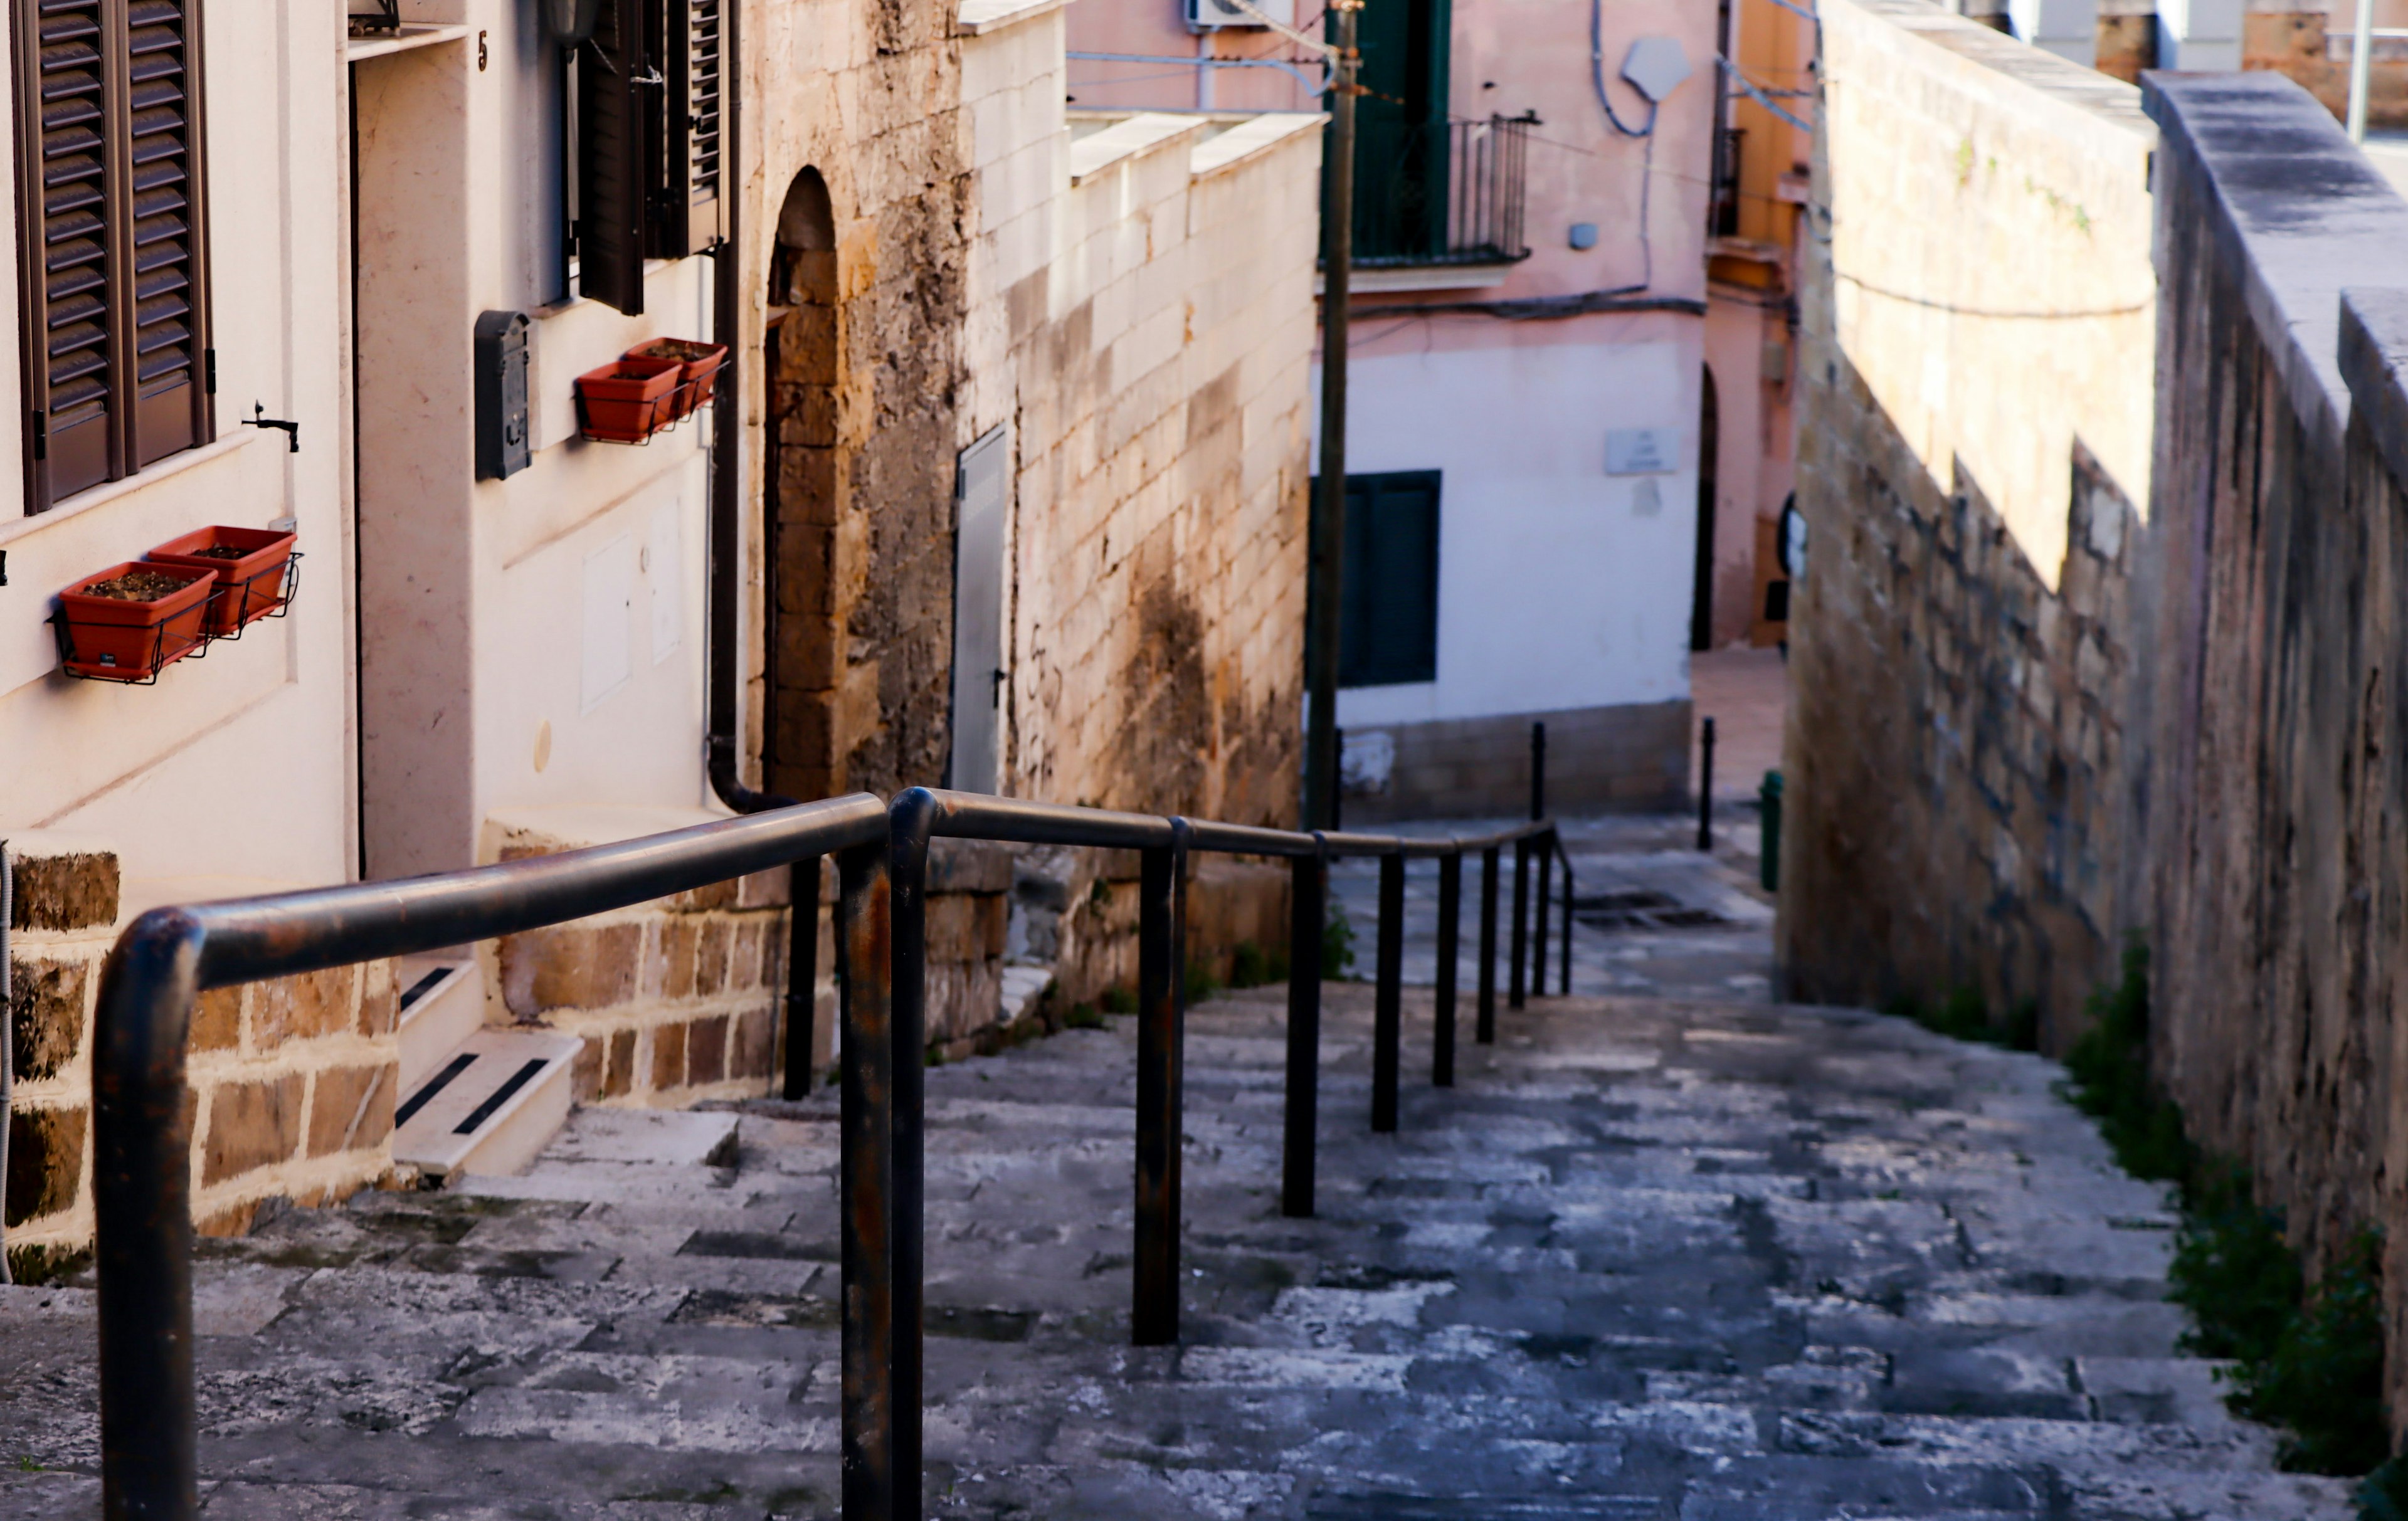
216	552
137	586
684	350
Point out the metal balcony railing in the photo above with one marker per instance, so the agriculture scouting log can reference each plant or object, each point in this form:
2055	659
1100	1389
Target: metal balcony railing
168	956
1442	193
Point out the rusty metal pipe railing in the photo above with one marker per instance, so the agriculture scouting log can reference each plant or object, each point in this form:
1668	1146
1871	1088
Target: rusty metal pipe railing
168	956
142	1167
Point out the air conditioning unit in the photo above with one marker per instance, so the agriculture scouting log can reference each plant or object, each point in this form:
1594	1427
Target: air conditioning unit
1204	15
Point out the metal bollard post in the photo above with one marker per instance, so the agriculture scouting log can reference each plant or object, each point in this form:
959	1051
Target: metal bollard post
1305	889
1706	787
1387	1011
1161	1000
1538	770
802	974
1450	913
864	1001
1543	917
1484	1028
1519	944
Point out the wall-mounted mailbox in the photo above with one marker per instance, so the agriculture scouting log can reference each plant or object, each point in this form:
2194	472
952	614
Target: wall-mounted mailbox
502	447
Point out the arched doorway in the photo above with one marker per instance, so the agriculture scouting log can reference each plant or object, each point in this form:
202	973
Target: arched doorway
804	752
1701	606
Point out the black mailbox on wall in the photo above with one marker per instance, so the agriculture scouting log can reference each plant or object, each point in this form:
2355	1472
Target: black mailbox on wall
502	446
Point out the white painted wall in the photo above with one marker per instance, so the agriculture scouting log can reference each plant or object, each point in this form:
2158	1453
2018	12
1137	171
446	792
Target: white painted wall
1559	585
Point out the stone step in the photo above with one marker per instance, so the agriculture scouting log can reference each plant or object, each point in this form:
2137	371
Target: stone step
442	1004
489	1108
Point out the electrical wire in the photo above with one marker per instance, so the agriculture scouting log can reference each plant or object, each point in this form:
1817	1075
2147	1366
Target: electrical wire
1596	76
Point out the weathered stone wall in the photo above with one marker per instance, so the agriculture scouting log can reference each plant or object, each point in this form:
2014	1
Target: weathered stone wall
292	1081
2275	766
1974	434
861	481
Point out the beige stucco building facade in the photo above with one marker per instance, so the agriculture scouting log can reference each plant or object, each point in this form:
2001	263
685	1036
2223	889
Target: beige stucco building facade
954	310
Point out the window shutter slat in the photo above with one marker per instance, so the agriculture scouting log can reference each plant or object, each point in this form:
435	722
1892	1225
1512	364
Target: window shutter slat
611	200
159	152
69	365
705	62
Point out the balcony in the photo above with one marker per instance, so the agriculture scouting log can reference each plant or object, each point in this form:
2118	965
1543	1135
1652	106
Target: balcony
1440	194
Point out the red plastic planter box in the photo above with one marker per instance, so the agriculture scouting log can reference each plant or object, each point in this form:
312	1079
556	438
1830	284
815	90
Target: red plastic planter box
700	363
249	565
627	400
112	639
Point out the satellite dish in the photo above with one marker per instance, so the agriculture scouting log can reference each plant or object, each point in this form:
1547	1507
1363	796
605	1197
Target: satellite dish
1655	66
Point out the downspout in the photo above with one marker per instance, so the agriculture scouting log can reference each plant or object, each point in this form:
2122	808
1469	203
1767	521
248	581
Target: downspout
727	566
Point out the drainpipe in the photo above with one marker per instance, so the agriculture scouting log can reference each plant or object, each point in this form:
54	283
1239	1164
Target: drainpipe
727	567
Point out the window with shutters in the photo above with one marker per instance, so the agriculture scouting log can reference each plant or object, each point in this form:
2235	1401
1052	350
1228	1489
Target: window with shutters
1387	615
648	107
112	259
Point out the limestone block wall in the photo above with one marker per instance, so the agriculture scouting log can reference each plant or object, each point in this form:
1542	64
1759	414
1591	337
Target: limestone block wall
2275	765
1974	447
292	1081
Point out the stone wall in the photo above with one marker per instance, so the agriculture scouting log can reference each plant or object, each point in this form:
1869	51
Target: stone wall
1975	435
2275	768
1631	757
292	1080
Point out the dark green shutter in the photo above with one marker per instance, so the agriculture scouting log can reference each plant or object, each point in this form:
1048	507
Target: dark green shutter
684	150
1387	615
612	91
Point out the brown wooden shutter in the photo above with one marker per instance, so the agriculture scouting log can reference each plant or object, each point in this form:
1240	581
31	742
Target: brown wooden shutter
612	90
112	258
163	239
705	66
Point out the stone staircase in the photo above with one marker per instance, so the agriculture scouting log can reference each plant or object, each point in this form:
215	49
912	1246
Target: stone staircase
1712	1262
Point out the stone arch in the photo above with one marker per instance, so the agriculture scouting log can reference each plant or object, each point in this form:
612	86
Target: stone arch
809	608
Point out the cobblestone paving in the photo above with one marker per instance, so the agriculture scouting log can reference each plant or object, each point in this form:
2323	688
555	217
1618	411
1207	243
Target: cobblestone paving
1651	1258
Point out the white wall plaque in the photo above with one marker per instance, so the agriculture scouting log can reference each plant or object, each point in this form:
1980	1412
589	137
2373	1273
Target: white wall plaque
1642	450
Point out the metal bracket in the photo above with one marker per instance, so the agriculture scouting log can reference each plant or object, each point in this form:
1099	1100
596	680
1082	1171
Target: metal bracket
259	419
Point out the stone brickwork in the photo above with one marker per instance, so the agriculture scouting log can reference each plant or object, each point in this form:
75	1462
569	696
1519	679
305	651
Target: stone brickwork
292	1080
2275	766
1974	434
1142	313
1634	757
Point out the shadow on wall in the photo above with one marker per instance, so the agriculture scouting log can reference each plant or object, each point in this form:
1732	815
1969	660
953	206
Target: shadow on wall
1955	731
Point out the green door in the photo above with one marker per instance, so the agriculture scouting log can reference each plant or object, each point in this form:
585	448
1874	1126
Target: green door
1401	144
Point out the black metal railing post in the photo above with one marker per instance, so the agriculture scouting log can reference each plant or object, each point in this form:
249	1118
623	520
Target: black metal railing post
1484	1028
1566	986
1518	948
1449	915
1387	1004
802	974
1306	881
1706	787
142	1167
865	963
911	819
1543	847
1162	995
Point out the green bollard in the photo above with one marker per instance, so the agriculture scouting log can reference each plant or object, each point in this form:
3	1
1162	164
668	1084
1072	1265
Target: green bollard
1768	798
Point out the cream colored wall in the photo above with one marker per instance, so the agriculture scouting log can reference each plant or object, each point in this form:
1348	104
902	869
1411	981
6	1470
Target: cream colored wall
234	769
1989	226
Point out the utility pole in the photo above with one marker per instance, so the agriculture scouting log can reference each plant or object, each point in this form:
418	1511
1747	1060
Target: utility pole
1329	549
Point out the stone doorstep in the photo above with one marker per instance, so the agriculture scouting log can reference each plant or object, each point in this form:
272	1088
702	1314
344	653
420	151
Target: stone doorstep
466	1122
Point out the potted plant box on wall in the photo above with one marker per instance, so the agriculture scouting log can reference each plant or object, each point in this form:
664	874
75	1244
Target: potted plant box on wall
131	621
627	400
700	362
253	569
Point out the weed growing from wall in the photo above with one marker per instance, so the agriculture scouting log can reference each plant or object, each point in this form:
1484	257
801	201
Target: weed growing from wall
1337	943
2307	1361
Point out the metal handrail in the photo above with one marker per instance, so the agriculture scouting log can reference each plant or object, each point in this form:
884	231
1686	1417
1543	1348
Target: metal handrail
164	961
